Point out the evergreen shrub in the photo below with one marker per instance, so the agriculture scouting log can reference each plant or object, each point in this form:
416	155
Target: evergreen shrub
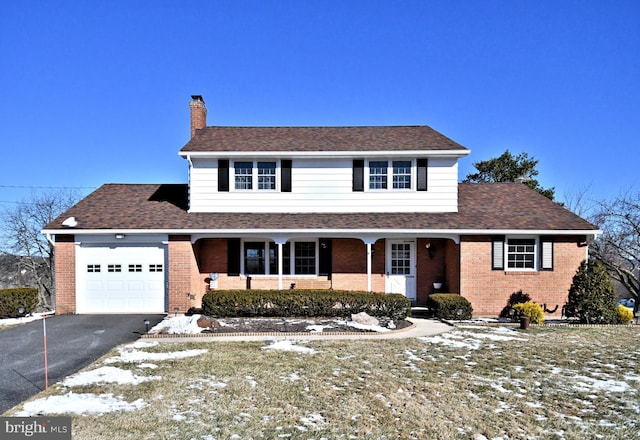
12	299
447	305
591	296
299	302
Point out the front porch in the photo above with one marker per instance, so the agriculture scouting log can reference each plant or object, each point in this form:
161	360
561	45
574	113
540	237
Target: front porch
406	265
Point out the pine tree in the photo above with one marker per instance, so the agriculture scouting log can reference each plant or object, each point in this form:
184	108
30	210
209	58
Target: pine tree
591	296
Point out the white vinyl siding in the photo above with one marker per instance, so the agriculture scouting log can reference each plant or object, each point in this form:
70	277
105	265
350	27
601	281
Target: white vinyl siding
325	185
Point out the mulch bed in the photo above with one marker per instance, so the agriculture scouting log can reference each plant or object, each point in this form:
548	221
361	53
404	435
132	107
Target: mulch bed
292	325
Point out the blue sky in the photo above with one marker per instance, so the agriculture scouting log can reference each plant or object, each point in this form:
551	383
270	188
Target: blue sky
98	92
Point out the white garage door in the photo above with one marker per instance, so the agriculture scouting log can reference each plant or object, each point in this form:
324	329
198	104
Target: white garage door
125	279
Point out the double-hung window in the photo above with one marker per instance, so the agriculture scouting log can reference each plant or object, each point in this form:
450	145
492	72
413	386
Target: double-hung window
522	253
244	175
258	175
401	174
267	175
378	174
398	172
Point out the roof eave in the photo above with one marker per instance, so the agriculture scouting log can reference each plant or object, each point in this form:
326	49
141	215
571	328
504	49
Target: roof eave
324	154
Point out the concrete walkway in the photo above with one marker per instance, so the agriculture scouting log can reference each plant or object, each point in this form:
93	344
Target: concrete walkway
420	327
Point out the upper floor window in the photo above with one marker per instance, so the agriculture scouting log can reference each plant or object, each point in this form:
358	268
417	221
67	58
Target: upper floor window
378	174
401	174
395	174
246	173
267	175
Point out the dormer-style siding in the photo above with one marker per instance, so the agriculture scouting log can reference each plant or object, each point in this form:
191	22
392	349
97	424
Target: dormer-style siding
322	169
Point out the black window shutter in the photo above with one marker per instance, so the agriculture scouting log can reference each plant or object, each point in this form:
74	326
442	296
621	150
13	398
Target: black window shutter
325	257
422	174
358	175
285	175
497	253
223	175
233	257
546	253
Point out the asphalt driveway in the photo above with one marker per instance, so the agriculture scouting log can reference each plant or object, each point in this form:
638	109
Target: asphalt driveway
73	342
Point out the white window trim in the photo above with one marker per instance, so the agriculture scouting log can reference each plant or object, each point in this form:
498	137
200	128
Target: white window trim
254	176
292	256
536	253
390	187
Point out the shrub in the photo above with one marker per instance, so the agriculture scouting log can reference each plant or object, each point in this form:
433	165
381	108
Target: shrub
12	299
516	298
625	314
447	305
530	309
591	296
280	303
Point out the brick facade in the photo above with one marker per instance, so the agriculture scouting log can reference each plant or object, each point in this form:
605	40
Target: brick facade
185	285
488	290
65	274
464	268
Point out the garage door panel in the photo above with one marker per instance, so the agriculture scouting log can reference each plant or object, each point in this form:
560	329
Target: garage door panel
124	279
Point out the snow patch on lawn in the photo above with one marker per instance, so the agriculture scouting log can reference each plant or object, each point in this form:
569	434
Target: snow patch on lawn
288	345
473	340
79	404
131	355
178	325
106	375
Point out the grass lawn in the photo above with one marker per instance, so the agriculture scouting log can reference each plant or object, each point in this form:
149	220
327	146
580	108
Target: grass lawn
470	383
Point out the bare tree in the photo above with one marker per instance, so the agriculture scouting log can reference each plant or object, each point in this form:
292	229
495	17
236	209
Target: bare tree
23	225
618	248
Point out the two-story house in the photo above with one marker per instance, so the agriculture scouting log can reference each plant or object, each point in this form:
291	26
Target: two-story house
357	208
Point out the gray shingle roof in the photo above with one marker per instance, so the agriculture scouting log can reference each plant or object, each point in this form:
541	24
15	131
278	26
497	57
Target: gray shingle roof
482	207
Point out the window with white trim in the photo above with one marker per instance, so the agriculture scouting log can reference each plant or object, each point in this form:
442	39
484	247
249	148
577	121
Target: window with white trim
521	253
243	175
263	173
398	172
378	174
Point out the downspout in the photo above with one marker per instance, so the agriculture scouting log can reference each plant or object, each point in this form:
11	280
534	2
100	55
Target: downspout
51	242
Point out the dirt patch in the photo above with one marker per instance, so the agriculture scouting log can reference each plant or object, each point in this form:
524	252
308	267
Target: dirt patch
302	325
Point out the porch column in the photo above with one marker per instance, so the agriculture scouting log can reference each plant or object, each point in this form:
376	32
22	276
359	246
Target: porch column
369	266
280	241
280	266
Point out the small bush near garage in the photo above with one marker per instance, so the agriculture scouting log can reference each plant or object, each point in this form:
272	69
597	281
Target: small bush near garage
12	299
317	303
530	309
449	306
518	297
625	314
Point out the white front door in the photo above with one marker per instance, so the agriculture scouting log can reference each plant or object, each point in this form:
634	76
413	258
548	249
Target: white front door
401	268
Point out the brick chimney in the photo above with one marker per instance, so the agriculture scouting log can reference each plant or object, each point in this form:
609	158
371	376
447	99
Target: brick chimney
198	114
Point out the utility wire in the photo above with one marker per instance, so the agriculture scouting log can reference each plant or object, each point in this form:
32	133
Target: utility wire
46	187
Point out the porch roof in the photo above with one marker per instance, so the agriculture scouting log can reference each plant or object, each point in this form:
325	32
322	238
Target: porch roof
162	208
